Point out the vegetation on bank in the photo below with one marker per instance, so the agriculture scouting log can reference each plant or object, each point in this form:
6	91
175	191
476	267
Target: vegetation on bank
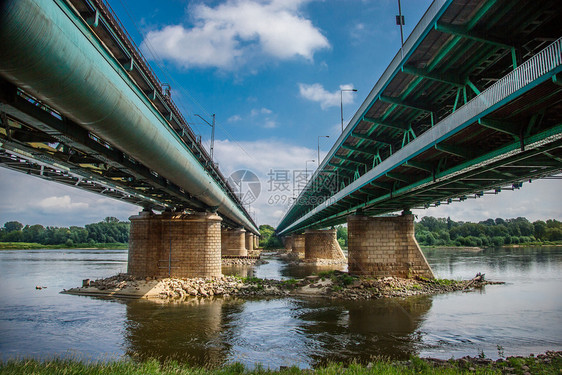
432	231
109	233
549	363
35	245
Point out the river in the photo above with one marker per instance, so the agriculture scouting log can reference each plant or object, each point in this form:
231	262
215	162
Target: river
521	317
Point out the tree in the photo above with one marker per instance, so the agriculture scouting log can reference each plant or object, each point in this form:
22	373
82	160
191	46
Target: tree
12	226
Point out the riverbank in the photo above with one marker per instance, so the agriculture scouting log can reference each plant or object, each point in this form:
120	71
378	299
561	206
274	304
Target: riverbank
548	363
82	246
332	284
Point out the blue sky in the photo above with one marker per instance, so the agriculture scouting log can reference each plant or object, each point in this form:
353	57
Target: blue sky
271	71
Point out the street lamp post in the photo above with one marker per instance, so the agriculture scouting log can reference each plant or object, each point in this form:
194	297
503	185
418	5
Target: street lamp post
320	136
212	133
341	104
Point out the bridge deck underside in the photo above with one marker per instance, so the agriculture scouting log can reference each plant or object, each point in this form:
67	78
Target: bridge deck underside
457	55
470	168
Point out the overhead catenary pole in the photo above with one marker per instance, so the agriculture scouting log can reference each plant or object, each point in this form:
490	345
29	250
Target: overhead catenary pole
212	134
320	136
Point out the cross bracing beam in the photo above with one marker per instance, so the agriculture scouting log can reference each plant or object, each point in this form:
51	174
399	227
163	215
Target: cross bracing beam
374	138
360	149
472	34
404	103
392	125
435	76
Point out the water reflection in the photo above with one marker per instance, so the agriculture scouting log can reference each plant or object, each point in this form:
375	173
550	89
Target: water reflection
189	332
361	330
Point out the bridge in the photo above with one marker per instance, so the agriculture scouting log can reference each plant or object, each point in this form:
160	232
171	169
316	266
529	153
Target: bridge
80	105
471	103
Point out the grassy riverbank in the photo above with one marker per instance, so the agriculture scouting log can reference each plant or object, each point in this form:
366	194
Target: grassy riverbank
35	246
549	363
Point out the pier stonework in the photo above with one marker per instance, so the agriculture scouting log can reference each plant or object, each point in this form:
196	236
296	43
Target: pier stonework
288	242
299	244
235	242
177	245
322	244
249	242
385	246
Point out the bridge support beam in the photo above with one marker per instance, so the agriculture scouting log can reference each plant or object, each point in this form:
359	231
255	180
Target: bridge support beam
322	244
299	245
175	245
234	243
385	246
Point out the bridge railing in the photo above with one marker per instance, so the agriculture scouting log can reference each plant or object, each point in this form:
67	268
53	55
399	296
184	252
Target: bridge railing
527	73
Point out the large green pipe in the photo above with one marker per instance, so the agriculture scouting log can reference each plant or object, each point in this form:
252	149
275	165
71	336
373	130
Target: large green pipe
46	50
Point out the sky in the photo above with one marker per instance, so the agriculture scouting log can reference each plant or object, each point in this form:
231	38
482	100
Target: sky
271	71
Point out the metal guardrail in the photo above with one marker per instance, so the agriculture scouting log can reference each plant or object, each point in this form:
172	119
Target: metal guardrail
526	74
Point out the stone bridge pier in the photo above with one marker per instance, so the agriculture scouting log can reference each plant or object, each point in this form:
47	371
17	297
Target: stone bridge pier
177	245
249	242
298	244
233	242
322	244
385	246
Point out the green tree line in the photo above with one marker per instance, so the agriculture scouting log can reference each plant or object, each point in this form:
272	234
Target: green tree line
432	231
110	230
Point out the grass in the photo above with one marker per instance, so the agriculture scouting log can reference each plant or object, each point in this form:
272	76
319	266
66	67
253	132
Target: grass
380	366
34	245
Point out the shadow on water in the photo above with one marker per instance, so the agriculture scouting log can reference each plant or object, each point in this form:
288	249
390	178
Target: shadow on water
274	332
190	332
348	331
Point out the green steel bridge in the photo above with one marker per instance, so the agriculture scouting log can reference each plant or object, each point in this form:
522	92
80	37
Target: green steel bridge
79	105
471	103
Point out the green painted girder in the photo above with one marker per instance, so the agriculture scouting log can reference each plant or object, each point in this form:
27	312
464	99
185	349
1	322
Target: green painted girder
456	150
393	125
359	149
419	165
502	126
351	159
434	76
402	103
382	185
472	34
399	177
376	139
338	166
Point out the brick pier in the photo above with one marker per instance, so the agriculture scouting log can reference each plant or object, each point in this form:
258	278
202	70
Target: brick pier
322	244
298	244
234	242
178	245
385	246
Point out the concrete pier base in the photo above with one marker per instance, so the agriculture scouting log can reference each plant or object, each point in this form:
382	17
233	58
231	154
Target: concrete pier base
177	245
385	246
322	244
298	245
234	243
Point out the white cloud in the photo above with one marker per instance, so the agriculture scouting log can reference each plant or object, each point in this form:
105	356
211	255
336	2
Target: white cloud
269	124
227	35
234	118
60	204
263	111
317	93
265	158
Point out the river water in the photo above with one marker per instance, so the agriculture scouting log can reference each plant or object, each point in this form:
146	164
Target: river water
521	317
